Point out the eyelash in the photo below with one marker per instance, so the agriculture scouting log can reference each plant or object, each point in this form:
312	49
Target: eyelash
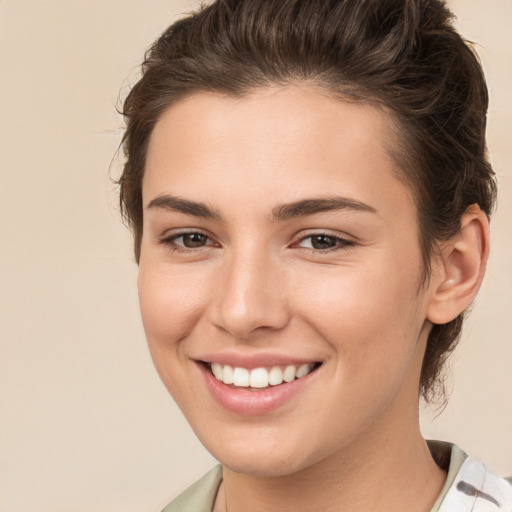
340	243
170	242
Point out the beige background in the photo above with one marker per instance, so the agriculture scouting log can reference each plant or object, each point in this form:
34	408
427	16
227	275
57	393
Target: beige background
85	425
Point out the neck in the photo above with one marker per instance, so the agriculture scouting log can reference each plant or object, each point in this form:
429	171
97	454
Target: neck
379	474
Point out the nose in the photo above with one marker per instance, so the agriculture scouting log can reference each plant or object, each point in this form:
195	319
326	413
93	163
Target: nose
251	297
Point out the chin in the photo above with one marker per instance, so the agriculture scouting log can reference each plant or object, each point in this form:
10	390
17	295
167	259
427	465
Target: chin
263	466
261	456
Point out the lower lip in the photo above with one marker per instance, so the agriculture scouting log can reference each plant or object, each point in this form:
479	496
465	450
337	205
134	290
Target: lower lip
253	403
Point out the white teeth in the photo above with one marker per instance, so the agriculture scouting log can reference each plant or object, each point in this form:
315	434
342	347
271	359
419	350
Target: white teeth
289	373
227	374
275	376
259	378
217	371
241	377
303	370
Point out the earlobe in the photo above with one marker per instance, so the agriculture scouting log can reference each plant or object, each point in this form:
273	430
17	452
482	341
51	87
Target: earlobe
461	268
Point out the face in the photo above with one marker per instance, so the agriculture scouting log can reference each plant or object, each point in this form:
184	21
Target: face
280	253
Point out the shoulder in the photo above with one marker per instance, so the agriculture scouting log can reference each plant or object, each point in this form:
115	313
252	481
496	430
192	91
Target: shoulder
472	487
199	497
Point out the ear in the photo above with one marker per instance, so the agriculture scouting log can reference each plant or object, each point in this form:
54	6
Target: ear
460	269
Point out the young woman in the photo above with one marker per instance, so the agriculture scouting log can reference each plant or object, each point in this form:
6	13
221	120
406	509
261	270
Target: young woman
309	192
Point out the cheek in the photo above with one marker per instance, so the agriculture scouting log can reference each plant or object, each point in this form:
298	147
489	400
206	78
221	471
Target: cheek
170	306
360	300
369	317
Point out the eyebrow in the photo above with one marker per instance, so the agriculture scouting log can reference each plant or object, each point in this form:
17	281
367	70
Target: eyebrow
302	208
177	204
307	207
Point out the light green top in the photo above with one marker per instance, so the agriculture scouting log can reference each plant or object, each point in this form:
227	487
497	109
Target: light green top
469	487
199	497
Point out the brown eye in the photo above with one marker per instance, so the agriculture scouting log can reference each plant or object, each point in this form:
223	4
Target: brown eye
187	241
192	240
324	242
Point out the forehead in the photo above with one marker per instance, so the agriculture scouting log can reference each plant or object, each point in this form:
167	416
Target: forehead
286	141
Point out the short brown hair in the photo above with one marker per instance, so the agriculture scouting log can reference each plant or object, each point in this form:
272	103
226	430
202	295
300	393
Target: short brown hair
403	55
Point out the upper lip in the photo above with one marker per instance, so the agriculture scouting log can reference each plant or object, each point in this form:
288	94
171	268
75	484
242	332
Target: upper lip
258	360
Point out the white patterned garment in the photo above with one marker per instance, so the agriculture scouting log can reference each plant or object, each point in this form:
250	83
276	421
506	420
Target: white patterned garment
475	489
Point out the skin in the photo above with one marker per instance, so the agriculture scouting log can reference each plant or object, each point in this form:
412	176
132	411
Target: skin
350	440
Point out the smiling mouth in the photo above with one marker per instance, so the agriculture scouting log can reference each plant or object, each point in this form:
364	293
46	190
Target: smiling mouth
259	378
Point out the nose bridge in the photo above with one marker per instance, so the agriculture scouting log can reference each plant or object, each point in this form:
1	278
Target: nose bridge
251	294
